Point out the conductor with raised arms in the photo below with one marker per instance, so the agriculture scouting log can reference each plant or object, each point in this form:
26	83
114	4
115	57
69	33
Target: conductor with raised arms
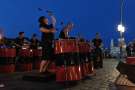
47	38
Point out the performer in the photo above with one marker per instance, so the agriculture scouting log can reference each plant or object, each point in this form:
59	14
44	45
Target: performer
47	40
20	40
97	42
34	42
64	32
129	49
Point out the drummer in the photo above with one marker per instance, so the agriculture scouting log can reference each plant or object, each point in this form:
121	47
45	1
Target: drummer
47	38
97	43
20	40
34	42
64	34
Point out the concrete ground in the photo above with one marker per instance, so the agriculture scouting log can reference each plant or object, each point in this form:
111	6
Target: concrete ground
102	81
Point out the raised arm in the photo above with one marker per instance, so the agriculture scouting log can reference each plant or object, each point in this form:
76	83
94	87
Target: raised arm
53	20
47	30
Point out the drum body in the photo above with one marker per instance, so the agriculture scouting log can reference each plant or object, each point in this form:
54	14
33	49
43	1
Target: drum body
7	57
85	58
84	47
73	60
25	53
52	67
66	51
65	46
7	52
36	59
130	60
24	62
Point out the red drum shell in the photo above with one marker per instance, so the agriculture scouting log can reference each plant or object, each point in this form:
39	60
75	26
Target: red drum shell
8	52
37	52
25	67
25	53
61	74
91	68
7	68
37	65
84	47
84	71
130	60
66	46
79	72
72	74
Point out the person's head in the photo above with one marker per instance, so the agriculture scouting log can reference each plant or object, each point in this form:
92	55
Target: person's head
43	20
21	34
70	25
97	36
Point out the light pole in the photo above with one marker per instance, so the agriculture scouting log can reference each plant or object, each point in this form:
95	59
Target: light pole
121	29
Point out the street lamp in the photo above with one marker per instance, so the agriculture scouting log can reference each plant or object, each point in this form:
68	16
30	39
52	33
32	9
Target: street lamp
121	29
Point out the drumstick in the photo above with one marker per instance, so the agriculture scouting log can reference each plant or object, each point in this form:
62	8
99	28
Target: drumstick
40	9
49	11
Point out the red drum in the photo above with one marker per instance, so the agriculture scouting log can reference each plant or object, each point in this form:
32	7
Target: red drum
52	67
25	67
130	60
79	72
37	65
70	73
66	46
7	62
73	73
76	68
8	52
91	67
84	71
84	47
7	68
37	52
25	60
61	74
25	52
37	56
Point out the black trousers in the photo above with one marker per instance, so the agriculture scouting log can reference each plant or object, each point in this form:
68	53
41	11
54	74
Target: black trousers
98	59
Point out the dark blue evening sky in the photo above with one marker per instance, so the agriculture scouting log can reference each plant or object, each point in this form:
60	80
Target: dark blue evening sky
89	16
